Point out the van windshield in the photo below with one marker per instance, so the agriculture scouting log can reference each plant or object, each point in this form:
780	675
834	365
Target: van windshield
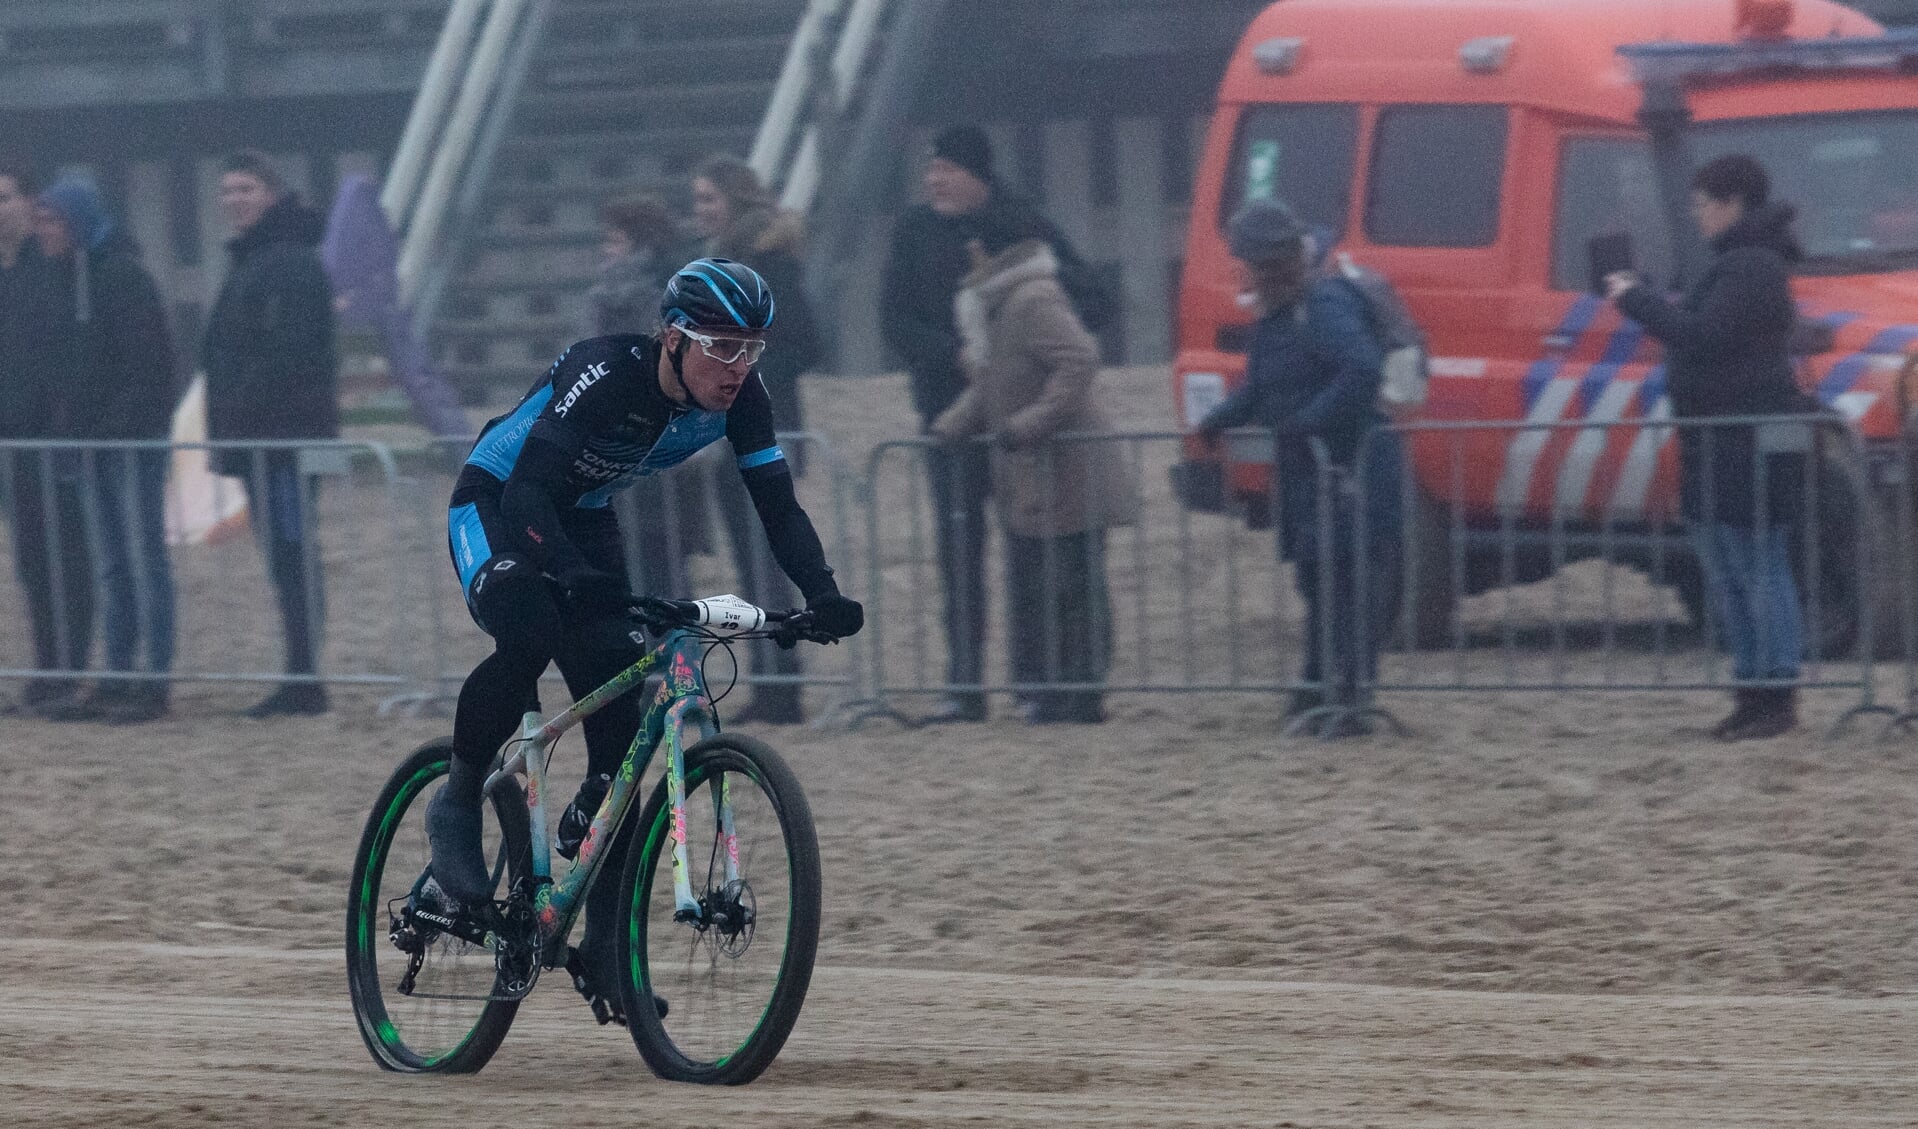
1301	153
1853	178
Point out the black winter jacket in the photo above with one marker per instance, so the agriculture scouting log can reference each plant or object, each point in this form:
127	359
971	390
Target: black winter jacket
271	366
122	380
923	272
1313	371
33	353
1728	353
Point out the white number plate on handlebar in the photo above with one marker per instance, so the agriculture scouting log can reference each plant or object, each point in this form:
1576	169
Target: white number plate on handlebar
729	615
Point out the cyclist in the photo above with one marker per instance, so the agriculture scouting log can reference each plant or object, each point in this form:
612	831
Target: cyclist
538	550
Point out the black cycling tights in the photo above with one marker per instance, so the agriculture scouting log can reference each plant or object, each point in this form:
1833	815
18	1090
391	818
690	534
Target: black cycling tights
530	629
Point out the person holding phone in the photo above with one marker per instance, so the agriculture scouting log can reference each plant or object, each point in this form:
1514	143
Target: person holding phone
1728	353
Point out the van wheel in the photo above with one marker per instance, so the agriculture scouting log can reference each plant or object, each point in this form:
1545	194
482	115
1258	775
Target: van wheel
1834	626
1687	578
1429	600
1896	558
1834	623
1851	517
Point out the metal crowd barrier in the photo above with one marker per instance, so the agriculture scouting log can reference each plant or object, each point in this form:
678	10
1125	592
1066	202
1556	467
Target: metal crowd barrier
1903	475
1576	579
83	523
1556	560
1571	579
1199	602
683	530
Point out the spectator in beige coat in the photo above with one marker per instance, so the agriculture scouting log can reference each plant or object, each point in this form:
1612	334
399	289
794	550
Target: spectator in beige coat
1030	366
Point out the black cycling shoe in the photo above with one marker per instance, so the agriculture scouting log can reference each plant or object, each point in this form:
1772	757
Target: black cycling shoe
577	819
592	978
459	861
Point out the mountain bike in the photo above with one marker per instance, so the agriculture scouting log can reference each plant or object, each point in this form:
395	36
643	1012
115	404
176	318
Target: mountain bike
719	919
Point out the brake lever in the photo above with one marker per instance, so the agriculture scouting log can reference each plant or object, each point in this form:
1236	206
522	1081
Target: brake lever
660	616
792	632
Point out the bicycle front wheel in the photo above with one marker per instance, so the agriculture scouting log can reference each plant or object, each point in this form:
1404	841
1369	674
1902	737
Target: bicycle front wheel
426	1000
736	977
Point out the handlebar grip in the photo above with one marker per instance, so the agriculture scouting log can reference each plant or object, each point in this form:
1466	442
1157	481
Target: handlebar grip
661	614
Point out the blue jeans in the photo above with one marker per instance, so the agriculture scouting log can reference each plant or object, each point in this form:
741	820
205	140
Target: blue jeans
283	507
1756	597
135	575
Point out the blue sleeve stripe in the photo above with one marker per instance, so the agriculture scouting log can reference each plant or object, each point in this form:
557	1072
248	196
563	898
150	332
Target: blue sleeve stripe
498	449
760	458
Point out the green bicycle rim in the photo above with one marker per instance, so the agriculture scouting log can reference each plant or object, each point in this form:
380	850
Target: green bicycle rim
383	1027
642	891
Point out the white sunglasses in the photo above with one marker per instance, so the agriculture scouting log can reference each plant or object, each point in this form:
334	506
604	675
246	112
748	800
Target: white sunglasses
749	348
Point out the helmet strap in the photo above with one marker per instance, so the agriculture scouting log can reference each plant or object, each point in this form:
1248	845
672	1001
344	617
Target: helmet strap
677	358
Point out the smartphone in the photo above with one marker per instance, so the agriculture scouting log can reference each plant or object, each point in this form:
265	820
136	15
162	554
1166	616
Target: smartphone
1608	253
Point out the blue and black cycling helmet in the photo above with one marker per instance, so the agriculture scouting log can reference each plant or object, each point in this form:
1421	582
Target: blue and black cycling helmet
718	294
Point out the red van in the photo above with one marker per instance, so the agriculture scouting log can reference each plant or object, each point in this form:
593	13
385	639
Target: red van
1471	149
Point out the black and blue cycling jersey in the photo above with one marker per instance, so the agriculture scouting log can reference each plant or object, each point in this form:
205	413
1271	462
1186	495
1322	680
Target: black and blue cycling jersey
595	424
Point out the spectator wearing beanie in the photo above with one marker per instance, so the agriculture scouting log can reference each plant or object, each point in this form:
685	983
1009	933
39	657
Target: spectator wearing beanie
1313	373
927	261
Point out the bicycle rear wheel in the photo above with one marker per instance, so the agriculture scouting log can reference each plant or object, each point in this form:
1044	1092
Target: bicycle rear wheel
737	979
449	1017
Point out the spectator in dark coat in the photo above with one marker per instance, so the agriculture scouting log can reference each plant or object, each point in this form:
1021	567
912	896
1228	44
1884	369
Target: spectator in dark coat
272	373
51	552
125	375
1313	372
741	221
1728	353
641	249
927	261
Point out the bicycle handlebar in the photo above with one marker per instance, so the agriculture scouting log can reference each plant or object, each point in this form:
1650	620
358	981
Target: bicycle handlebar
728	617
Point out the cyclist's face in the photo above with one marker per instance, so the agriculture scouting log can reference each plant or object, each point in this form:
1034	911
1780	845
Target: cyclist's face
713	383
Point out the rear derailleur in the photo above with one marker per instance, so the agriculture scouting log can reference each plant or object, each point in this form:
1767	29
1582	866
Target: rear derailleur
509	928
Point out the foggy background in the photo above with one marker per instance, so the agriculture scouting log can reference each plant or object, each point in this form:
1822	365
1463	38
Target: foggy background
1098	108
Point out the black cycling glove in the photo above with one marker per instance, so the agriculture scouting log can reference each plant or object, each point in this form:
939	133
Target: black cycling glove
592	591
837	615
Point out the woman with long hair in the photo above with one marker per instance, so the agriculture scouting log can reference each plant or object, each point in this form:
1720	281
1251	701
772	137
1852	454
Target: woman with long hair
741	221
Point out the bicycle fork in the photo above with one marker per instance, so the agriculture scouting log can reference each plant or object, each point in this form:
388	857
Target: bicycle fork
687	906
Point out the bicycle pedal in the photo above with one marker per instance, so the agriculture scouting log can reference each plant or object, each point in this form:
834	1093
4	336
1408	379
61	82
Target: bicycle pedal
604	1010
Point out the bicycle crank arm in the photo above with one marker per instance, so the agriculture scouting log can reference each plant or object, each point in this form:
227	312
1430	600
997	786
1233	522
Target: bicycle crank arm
461	926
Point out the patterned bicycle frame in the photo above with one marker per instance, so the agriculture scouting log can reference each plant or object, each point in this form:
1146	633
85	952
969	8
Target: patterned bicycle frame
681	702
